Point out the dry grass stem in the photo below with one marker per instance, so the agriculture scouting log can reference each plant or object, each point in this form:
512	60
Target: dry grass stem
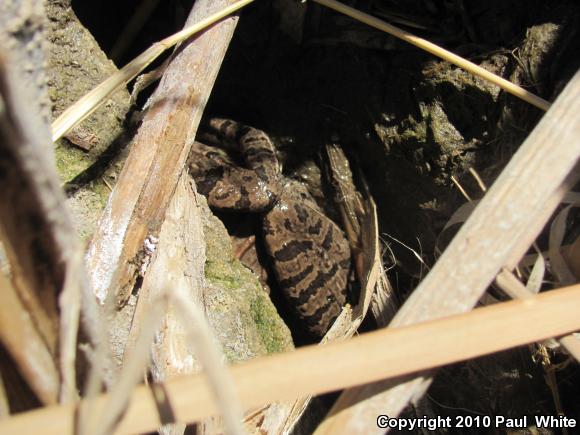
478	179
461	189
558	230
69	302
314	369
34	219
132	373
515	289
156	160
384	303
179	257
434	49
91	101
536	276
512	286
212	360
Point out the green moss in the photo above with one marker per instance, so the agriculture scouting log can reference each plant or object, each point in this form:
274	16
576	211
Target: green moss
222	274
220	267
246	316
274	338
70	161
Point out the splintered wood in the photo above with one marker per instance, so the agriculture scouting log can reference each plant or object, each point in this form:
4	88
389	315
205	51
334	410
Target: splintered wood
138	203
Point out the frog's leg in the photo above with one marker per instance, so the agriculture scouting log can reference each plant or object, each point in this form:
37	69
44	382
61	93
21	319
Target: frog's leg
256	146
229	186
311	260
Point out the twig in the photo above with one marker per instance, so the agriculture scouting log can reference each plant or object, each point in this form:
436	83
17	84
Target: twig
185	343
207	350
131	373
515	289
478	179
461	189
44	251
149	177
21	339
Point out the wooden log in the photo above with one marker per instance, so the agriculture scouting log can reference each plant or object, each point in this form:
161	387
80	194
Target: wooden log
180	258
496	235
138	203
317	369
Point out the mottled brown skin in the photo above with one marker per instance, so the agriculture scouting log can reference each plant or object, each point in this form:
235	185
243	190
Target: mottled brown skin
228	186
310	255
309	252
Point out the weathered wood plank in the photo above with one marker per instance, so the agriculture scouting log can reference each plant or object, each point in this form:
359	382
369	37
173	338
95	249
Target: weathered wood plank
180	259
138	203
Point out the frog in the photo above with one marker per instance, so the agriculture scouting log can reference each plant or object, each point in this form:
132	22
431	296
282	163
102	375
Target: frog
309	252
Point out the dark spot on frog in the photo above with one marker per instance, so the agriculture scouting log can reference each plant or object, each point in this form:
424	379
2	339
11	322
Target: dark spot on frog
244	201
314	321
345	264
327	242
267	228
222	196
293	281
301	213
318	282
292	249
315	229
241	131
259	155
207	183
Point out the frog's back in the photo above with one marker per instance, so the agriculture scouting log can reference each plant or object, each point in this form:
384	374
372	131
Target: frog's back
310	256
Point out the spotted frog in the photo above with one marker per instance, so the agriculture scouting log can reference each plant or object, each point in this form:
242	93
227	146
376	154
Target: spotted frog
309	252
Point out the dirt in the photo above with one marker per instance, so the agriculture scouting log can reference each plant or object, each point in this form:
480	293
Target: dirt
411	122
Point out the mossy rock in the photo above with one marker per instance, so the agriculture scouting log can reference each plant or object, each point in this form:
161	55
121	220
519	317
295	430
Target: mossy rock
239	310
